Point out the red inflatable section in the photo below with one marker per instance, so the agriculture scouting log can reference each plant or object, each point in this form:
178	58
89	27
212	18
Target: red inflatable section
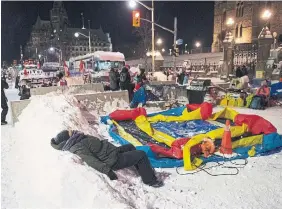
176	149
256	124
120	115
206	109
192	107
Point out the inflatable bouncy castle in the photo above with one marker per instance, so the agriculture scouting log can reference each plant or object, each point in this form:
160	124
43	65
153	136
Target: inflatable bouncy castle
191	135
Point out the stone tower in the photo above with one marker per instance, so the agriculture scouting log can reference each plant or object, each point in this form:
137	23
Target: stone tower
59	18
247	20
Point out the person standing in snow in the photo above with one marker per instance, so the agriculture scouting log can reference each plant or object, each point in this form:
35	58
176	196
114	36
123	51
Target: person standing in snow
4	100
141	76
244	71
118	77
105	157
113	80
124	79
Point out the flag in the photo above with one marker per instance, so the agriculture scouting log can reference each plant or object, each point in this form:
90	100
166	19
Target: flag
81	66
67	73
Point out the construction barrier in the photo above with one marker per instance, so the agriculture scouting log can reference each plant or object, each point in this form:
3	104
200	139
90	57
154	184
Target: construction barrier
96	87
93	101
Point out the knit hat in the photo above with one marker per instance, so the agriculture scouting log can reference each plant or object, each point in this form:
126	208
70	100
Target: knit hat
62	136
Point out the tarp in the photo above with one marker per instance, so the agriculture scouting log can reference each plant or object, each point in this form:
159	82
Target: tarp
276	90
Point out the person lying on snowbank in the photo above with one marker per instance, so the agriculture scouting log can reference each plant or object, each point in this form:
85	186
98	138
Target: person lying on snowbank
105	157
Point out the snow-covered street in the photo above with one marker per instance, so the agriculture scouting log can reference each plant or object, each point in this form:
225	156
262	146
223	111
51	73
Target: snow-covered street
34	175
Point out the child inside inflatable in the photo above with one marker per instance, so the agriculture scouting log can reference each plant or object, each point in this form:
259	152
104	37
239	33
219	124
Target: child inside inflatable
191	135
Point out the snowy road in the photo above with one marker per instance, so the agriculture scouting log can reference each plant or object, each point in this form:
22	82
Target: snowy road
36	176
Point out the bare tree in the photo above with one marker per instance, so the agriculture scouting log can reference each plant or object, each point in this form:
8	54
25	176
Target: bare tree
144	33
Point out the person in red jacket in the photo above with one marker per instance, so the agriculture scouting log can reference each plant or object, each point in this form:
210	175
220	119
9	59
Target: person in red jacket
263	92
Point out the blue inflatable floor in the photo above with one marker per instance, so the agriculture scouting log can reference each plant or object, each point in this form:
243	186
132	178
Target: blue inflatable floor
184	129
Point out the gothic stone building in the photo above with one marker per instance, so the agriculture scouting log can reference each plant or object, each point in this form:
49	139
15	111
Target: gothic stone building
247	21
56	33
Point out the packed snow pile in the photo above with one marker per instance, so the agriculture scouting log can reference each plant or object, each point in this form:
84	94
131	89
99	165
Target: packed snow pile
34	175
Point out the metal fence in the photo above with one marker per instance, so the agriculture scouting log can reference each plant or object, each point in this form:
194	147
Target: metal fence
201	50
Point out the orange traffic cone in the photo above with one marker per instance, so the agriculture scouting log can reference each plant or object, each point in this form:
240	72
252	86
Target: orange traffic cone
226	145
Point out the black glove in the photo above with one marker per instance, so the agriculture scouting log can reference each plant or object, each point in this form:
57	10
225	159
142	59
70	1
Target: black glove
112	175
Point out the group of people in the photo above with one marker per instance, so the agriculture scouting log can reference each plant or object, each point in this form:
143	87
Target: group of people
122	80
183	77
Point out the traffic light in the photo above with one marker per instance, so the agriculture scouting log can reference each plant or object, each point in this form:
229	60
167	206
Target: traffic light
175	52
135	18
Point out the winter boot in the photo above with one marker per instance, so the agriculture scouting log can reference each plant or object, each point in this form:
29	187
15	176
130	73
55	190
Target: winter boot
157	184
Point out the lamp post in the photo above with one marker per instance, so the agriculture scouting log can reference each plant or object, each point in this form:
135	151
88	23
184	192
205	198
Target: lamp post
185	49
77	34
228	53
132	4
265	40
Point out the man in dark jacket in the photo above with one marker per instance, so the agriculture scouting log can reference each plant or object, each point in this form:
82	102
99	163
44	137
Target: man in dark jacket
113	80
239	73
125	79
4	105
105	157
244	70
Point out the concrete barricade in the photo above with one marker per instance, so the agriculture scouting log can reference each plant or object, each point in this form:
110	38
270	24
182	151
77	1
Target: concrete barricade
101	102
156	83
97	87
104	102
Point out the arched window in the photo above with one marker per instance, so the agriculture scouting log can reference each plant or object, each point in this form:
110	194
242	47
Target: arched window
236	32
238	9
241	31
241	9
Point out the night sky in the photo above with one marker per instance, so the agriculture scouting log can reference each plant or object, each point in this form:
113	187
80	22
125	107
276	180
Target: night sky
195	21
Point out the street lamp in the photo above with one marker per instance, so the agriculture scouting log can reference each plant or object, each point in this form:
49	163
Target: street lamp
132	4
77	34
230	22
52	49
159	41
39	56
163	50
266	15
198	44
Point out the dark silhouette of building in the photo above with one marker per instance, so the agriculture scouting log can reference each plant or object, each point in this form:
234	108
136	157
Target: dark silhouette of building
56	33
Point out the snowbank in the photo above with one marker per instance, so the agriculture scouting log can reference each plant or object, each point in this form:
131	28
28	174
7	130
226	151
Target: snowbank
34	175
